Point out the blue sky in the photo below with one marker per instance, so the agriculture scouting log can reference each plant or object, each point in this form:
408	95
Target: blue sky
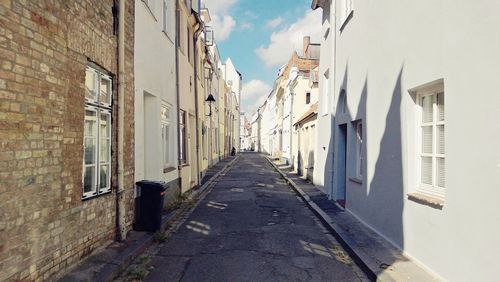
259	36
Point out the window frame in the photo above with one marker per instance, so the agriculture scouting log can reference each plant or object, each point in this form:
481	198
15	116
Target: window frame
183	158
358	134
100	108
430	189
165	122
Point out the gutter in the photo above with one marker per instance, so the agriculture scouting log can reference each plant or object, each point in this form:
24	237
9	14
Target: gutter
120	205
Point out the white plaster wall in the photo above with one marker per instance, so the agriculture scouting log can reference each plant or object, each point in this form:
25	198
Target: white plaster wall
231	75
264	129
154	67
323	171
410	45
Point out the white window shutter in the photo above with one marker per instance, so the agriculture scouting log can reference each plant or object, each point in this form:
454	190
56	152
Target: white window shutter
426	170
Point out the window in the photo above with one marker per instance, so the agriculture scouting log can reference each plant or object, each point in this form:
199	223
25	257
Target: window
346	9
359	148
97	134
432	149
165	135
308	97
183	139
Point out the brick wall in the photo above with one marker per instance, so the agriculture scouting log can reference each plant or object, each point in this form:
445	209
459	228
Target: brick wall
45	45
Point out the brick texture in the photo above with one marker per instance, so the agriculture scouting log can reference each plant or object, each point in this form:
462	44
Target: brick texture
45	45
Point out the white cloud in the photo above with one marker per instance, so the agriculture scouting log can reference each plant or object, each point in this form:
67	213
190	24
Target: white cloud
284	42
246	26
222	22
223	26
274	23
253	94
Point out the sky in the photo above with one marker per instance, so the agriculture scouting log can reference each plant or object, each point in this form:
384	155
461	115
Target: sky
260	36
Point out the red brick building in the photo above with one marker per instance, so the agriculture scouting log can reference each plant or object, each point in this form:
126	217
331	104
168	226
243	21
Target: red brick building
58	115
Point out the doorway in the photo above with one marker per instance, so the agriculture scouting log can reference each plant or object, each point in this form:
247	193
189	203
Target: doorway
341	165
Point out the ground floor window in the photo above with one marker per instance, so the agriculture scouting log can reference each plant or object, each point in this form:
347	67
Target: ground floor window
97	134
432	139
182	139
165	135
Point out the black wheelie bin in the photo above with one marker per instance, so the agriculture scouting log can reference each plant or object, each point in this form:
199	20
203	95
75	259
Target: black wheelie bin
149	205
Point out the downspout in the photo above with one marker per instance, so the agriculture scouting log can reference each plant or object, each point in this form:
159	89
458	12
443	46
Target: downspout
291	124
177	90
120	201
195	58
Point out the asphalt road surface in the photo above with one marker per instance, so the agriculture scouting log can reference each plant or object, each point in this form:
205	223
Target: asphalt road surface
252	227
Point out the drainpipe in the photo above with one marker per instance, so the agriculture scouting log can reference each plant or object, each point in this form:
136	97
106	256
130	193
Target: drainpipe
120	201
177	90
290	154
196	35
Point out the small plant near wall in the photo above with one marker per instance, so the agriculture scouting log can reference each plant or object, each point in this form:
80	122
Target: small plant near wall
159	237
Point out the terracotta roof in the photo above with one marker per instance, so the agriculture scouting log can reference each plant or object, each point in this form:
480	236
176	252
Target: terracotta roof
313	110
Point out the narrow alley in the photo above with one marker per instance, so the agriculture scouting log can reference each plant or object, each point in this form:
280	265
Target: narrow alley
251	226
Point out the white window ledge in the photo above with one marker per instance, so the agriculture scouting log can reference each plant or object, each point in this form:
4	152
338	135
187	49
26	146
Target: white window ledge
356	180
426	199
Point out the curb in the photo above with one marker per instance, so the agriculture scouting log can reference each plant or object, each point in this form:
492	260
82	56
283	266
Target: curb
120	262
367	265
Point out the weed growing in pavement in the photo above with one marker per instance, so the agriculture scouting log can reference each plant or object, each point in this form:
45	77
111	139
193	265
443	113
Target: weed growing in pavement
159	237
138	273
177	203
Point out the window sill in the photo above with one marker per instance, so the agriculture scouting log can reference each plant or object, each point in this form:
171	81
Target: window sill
183	165
425	199
356	180
169	169
96	195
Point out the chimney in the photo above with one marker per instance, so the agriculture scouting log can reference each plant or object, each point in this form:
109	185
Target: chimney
307	41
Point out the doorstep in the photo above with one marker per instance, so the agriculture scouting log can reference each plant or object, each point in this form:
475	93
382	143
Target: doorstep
378	258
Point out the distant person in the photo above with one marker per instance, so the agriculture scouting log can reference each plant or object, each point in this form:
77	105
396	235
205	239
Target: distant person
233	151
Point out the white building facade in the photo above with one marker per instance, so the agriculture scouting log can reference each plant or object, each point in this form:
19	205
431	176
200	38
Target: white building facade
323	164
407	149
155	92
234	80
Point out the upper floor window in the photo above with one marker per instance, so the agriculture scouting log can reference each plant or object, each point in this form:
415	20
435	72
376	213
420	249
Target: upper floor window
432	149
308	97
97	133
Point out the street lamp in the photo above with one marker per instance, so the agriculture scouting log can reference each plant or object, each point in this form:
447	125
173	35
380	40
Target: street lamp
210	99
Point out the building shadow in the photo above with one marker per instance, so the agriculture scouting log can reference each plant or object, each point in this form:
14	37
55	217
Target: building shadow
377	196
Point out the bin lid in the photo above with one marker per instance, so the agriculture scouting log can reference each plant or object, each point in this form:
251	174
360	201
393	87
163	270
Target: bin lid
152	184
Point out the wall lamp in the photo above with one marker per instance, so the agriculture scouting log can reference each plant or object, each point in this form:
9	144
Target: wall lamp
210	99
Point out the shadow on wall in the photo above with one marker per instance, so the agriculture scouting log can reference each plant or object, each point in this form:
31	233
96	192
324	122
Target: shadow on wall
386	186
310	165
379	202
